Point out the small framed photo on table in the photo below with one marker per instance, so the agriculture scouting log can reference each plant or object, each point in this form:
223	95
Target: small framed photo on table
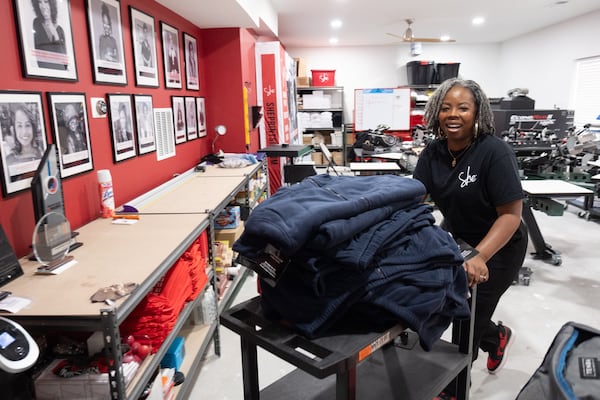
46	39
121	126
106	41
172	62
23	138
71	132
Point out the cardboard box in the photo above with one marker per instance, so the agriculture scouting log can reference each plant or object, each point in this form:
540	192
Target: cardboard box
229	235
338	157
49	386
302	81
317	157
175	354
228	218
301	70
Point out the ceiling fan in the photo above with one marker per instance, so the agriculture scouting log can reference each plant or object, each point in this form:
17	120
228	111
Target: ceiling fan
409	37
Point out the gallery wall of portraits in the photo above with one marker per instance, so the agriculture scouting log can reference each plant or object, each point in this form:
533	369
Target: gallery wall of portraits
87	75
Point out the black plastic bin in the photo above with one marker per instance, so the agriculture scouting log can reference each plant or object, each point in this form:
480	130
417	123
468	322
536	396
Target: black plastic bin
445	71
420	72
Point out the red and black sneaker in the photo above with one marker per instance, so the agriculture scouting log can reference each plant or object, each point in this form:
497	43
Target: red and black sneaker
497	359
444	396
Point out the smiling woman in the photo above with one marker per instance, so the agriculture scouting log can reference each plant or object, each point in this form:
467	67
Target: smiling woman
473	178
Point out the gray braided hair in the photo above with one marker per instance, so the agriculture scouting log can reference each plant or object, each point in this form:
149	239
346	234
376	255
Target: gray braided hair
484	116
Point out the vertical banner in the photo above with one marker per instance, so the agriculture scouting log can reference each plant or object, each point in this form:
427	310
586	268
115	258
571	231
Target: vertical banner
271	117
273	94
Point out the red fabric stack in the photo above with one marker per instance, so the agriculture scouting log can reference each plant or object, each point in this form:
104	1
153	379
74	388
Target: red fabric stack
154	318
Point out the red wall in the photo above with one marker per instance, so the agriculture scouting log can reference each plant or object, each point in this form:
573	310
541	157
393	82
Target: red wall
228	54
220	83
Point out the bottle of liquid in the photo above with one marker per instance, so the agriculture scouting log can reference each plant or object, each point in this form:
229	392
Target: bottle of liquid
107	196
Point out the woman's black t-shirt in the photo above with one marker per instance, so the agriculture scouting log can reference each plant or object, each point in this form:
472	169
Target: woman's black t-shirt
486	176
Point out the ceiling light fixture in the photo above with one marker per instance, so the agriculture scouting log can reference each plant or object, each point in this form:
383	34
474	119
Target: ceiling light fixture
333	40
336	23
444	38
478	20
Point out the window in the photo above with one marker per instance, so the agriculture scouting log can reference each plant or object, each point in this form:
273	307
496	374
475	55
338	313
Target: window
587	91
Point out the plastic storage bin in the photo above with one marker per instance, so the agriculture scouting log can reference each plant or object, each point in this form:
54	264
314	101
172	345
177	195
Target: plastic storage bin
420	72
446	71
322	77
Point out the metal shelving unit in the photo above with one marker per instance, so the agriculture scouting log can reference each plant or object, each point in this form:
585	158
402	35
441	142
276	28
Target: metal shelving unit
173	209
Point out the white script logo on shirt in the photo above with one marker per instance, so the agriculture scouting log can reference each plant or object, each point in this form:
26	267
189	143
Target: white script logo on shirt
466	179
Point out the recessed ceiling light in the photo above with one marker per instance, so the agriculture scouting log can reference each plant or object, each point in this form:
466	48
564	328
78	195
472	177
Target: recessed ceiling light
445	38
333	40
478	20
336	23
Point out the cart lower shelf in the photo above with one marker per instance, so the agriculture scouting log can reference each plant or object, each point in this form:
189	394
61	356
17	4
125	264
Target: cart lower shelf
372	365
392	373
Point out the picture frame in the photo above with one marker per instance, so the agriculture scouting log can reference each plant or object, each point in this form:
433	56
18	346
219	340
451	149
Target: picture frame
144	116
201	110
71	133
190	50
171	55
120	113
46	53
106	41
191	118
143	37
178	105
23	138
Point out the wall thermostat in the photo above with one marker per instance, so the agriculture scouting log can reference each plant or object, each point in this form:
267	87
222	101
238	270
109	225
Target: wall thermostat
18	350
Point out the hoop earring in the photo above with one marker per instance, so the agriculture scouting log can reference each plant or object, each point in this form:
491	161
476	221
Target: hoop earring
476	130
440	133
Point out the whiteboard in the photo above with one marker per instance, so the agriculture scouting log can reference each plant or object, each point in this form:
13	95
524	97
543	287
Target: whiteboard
387	106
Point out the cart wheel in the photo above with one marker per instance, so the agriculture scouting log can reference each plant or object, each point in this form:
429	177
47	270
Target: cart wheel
588	215
556	259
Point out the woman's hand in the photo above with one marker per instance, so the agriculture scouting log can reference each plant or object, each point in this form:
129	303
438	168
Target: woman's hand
477	270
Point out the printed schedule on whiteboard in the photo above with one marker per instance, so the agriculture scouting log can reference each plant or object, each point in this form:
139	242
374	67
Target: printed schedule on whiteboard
389	106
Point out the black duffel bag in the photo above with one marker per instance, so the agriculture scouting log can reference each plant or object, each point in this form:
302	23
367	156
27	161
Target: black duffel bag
571	367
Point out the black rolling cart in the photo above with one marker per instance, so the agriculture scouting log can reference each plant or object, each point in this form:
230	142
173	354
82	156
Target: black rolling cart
375	365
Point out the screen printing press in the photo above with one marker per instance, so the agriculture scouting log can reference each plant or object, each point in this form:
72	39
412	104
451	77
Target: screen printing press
541	195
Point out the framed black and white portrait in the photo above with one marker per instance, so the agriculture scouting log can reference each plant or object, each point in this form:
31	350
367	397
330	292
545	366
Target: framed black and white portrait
46	39
178	105
172	62
106	41
23	138
120	113
144	117
190	49
143	37
201	111
191	118
71	132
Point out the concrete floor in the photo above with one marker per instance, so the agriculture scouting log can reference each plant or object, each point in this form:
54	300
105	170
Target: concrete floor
555	295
